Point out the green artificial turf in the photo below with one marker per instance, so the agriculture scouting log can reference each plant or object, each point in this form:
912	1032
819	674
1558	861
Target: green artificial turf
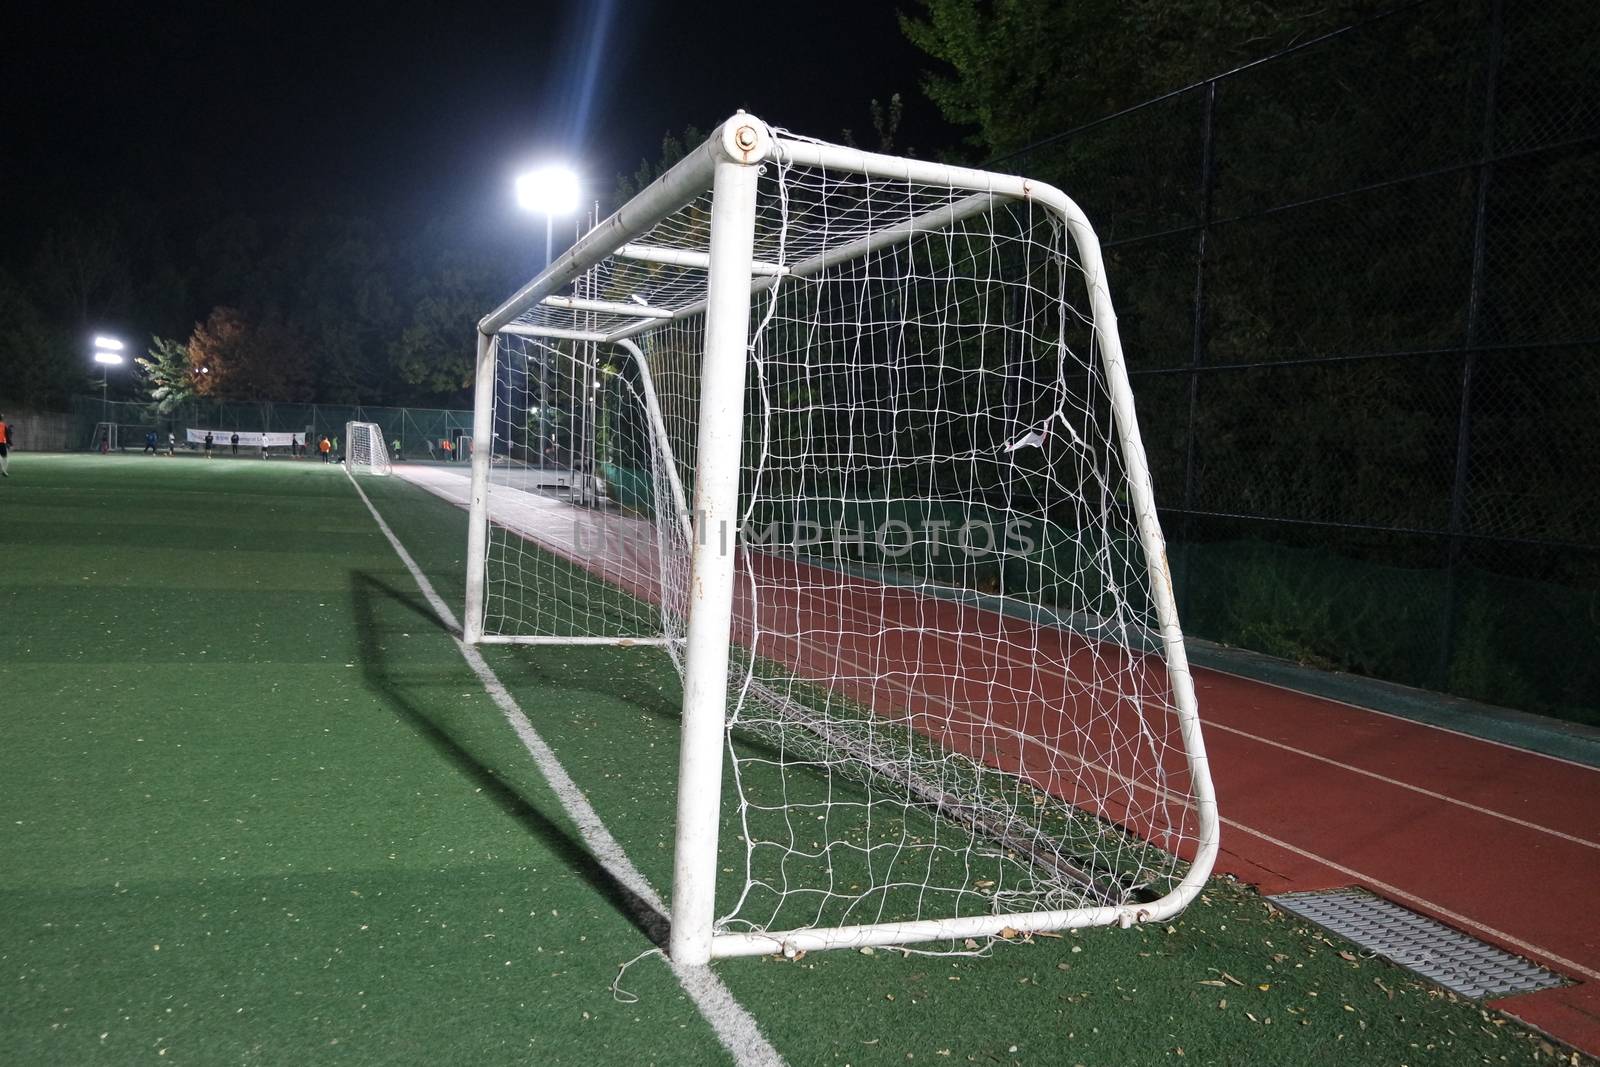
257	809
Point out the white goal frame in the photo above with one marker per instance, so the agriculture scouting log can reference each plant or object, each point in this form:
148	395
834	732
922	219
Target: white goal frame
727	165
364	449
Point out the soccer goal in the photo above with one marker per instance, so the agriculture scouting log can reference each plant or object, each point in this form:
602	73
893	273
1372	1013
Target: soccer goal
364	450
866	468
104	438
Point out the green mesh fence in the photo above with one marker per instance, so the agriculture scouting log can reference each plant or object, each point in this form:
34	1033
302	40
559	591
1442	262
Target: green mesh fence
1359	291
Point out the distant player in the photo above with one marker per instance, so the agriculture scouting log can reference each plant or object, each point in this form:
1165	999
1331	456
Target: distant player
449	449
5	448
149	443
209	442
397	450
325	448
263	446
236	442
172	443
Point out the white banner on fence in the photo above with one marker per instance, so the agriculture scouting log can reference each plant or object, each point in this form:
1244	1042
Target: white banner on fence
252	439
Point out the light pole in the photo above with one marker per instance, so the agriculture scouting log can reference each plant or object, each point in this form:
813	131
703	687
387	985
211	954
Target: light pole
549	191
107	353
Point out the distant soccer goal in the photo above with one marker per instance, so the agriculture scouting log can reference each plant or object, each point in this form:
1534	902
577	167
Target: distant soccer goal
105	438
364	450
860	455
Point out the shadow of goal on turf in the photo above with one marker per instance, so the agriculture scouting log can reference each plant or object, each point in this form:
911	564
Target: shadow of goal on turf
376	606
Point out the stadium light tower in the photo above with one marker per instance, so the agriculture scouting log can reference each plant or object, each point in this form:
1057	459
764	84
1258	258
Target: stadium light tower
107	353
549	191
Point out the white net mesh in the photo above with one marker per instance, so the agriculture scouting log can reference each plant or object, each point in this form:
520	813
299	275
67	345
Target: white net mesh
574	546
364	448
947	695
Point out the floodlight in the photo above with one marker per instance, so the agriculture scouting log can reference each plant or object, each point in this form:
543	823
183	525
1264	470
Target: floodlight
548	191
108	342
112	358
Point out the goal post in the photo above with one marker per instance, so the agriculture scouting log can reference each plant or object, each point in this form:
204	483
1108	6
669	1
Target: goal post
364	449
866	466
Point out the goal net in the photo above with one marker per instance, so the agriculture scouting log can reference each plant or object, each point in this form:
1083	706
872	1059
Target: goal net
364	450
877	409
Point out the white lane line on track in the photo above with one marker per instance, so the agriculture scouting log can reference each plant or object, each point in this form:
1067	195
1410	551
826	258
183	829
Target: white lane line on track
1399	718
1212	724
734	1026
1002	651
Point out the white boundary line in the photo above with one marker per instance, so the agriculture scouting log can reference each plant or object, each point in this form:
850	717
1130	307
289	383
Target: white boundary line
734	1026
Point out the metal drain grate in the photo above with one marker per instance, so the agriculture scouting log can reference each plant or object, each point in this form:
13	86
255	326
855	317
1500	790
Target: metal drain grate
1460	963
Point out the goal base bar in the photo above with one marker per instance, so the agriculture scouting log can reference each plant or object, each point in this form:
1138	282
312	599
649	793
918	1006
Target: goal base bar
512	639
790	943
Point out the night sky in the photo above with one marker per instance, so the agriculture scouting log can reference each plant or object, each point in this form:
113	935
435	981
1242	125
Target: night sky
408	111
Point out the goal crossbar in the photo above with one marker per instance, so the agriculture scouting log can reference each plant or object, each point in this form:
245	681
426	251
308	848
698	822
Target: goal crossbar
645	318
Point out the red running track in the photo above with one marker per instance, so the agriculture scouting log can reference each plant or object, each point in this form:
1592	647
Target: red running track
1313	793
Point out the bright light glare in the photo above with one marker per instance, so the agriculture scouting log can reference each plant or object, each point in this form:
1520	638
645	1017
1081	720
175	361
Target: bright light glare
108	342
107	357
548	191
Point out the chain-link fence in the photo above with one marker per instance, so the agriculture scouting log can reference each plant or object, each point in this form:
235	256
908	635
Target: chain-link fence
1359	288
420	431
